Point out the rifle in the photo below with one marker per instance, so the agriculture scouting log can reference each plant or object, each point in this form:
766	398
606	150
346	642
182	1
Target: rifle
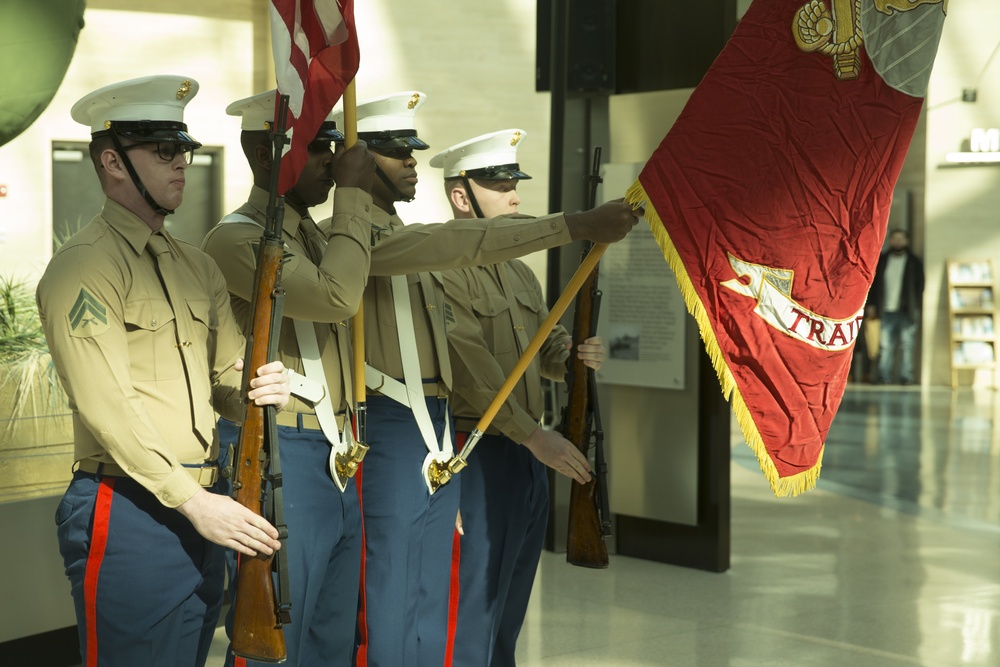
258	616
588	524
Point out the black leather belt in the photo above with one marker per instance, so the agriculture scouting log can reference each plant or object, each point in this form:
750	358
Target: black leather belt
206	475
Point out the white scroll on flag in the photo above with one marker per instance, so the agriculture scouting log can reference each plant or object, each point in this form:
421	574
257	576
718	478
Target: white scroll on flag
316	55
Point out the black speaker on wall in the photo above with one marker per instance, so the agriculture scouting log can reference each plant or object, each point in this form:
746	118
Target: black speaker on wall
633	46
590	45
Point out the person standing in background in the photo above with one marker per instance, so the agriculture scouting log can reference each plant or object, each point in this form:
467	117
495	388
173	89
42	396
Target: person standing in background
895	298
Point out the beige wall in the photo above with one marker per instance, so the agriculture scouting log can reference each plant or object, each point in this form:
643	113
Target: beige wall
113	46
962	204
476	66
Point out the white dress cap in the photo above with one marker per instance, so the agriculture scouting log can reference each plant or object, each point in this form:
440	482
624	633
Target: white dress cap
257	114
490	156
388	121
257	111
150	98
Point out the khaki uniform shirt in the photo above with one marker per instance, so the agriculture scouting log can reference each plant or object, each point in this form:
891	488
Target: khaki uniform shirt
409	249
327	294
485	347
112	335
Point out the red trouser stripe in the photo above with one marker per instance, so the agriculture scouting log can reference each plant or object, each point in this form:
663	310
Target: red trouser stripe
362	657
456	554
98	542
456	557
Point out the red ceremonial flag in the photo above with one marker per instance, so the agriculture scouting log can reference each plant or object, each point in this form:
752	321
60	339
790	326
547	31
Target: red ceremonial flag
770	198
316	55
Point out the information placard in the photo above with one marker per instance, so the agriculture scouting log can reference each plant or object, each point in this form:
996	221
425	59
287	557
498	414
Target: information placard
643	319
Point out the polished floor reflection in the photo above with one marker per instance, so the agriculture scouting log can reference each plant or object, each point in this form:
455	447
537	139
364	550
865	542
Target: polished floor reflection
893	561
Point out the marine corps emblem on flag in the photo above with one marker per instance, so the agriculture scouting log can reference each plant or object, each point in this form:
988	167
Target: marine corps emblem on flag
770	197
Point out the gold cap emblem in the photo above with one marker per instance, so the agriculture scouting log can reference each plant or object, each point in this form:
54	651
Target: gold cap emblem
183	91
515	139
414	100
107	125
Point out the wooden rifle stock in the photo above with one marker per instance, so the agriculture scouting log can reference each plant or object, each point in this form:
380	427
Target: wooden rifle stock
257	617
585	544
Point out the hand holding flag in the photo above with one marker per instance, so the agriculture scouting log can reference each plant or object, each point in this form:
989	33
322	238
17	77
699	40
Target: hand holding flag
316	55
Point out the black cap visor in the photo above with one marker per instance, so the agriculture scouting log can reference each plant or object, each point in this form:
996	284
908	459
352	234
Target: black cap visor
499	172
328	132
152	130
391	139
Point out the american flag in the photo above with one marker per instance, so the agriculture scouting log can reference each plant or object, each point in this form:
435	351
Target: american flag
316	55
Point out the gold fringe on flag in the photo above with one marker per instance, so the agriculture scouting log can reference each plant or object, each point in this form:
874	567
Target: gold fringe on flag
782	486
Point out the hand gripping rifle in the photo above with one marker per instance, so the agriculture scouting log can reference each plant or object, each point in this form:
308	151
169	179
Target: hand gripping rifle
589	517
258	616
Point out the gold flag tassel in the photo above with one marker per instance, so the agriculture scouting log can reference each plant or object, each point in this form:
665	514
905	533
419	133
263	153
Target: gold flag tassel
348	462
781	486
440	474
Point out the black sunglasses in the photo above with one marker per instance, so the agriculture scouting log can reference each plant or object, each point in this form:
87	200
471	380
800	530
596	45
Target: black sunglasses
168	150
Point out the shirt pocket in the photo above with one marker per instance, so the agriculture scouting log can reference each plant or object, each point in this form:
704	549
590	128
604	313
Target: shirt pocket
206	321
493	312
529	305
152	340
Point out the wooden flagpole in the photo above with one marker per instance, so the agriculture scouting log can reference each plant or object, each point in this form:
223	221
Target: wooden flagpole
441	475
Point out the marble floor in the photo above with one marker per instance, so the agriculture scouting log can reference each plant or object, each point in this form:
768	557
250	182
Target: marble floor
893	561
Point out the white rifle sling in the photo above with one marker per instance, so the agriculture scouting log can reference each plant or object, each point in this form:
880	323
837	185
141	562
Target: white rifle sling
411	394
239	217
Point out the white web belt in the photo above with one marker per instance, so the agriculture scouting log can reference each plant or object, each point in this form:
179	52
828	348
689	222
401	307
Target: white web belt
411	394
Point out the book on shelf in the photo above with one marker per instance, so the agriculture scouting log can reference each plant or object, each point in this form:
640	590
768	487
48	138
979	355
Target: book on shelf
970	272
973	325
973	352
971	297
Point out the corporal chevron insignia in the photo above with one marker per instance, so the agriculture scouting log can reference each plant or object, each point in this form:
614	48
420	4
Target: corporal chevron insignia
88	316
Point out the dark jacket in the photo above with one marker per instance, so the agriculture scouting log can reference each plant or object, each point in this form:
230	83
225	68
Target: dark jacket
911	299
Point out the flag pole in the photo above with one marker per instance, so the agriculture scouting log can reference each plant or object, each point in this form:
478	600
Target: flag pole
440	475
348	463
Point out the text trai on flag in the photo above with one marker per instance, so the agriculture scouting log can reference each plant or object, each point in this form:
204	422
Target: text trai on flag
772	289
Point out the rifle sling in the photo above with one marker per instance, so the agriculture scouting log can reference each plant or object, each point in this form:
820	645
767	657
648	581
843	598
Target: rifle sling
601	487
600	462
276	504
276	512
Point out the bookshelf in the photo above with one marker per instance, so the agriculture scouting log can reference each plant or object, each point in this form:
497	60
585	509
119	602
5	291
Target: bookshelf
972	315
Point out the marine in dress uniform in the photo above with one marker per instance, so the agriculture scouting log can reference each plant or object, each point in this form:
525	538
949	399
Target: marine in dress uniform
505	492
403	615
323	278
145	343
